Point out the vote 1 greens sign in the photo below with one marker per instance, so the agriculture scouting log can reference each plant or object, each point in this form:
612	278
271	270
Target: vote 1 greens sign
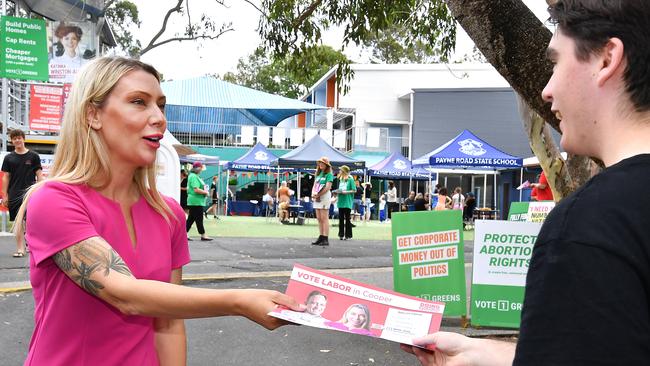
23	50
428	259
530	211
502	251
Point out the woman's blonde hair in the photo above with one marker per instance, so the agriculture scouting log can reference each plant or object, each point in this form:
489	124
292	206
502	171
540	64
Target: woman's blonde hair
342	174
81	156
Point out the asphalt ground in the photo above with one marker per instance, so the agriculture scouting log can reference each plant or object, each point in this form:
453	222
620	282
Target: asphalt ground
247	263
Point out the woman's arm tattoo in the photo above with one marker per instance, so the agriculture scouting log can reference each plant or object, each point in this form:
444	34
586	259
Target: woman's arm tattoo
82	260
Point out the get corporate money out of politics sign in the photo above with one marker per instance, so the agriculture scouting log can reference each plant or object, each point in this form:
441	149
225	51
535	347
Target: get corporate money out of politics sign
502	252
337	303
428	257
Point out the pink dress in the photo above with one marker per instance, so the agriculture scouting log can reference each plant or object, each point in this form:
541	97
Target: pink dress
73	327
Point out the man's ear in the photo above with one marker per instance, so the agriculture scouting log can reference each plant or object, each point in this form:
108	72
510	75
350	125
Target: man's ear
611	58
92	118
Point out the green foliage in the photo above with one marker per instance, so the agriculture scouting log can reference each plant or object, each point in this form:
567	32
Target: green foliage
124	15
291	26
394	45
286	75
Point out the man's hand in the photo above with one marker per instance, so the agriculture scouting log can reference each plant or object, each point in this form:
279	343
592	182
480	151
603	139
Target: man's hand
449	349
452	349
5	201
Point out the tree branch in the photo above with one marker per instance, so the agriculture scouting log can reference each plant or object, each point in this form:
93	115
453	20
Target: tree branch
257	8
151	46
514	48
163	28
189	18
307	13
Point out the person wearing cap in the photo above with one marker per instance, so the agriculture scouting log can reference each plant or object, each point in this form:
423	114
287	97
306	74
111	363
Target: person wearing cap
196	194
347	189
321	195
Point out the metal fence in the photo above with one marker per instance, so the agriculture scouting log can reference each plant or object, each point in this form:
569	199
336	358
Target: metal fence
230	135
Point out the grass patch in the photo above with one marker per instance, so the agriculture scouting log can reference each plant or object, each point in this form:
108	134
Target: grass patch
261	227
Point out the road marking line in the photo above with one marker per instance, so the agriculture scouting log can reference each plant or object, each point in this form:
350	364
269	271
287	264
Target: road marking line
235	275
242	275
227	276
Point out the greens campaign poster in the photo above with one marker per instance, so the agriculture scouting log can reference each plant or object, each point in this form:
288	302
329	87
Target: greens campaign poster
428	260
530	211
23	50
502	251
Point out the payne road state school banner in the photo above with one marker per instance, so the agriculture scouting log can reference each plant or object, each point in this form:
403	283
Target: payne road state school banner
428	260
530	211
502	251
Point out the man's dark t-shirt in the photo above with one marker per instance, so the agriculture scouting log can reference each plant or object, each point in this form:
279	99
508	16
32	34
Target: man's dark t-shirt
22	169
213	189
358	194
184	193
420	204
588	285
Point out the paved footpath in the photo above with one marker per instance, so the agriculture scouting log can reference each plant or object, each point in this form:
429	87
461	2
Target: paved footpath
245	263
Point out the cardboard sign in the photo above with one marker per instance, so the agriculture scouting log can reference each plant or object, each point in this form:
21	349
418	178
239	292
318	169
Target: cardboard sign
45	107
530	211
23	50
502	251
428	257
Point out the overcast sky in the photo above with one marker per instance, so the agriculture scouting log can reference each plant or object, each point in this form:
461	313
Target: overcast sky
190	59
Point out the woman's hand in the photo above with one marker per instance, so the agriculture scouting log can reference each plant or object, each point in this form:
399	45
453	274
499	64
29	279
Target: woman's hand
256	304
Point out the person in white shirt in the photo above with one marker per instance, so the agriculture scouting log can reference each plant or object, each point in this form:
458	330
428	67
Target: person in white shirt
391	199
458	200
269	200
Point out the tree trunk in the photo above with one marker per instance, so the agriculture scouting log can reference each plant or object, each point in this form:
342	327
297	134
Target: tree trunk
517	50
514	41
547	153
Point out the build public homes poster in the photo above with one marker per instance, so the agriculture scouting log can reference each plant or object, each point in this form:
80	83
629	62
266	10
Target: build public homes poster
502	252
23	50
428	259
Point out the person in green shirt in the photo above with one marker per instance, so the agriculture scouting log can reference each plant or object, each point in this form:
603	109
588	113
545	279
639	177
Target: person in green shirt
347	189
196	194
321	195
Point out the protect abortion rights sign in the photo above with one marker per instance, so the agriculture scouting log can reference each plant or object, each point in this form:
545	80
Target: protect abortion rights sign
337	303
428	259
530	211
502	251
23	49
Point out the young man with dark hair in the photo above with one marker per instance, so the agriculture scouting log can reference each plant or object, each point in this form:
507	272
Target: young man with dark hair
21	169
588	287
